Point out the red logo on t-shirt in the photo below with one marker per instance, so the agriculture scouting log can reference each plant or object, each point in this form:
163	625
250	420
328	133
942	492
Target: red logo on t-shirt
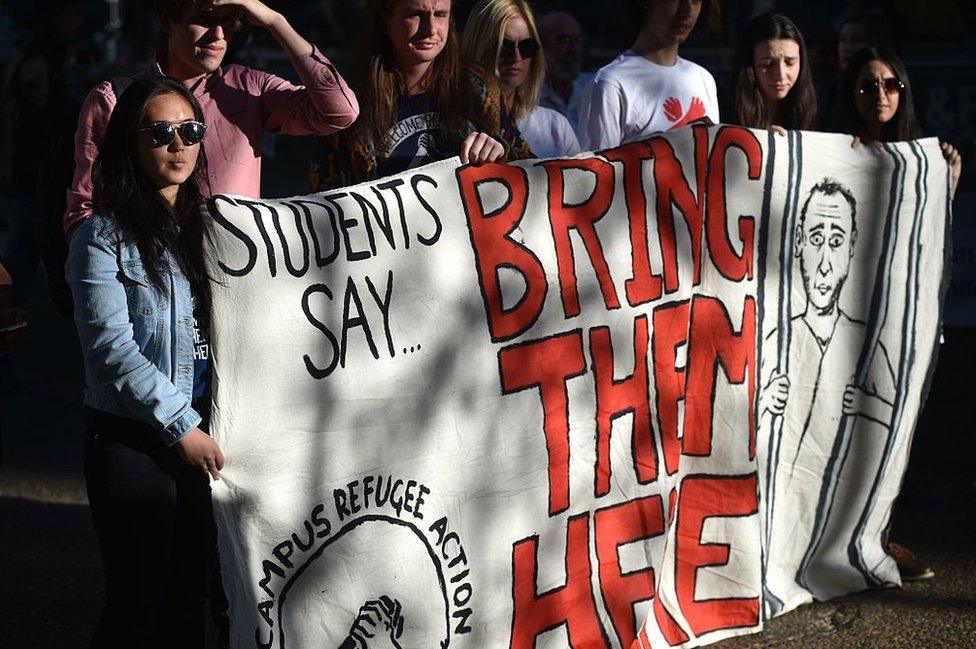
674	111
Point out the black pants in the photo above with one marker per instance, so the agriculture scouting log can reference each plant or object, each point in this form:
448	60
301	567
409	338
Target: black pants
155	526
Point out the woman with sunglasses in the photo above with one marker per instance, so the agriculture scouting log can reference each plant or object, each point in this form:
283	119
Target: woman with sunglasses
878	105
501	35
420	104
878	108
774	88
137	276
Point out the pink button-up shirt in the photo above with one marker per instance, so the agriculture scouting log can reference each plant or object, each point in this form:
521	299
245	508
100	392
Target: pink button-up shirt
239	104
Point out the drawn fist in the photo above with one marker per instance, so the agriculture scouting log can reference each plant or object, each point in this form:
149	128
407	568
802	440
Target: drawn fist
379	625
859	403
853	396
672	109
775	395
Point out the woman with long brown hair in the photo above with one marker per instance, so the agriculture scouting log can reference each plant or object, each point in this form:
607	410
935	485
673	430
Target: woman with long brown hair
420	104
878	105
774	87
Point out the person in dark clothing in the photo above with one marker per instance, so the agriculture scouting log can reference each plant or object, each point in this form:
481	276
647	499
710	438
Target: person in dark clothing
138	279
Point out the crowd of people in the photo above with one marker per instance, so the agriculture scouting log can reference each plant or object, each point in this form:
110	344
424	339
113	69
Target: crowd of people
147	149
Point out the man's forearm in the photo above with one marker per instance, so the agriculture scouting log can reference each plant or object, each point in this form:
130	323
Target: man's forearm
293	43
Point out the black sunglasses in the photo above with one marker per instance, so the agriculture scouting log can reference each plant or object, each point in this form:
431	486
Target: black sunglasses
528	48
162	133
891	85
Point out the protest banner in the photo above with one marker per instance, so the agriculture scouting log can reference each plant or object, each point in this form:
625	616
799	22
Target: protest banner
646	397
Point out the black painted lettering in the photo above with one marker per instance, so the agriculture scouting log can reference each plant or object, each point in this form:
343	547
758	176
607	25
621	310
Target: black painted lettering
321	521
236	232
283	552
409	496
269	568
384	307
359	320
346	224
367	208
420	501
438	228
313	369
342	510
353	496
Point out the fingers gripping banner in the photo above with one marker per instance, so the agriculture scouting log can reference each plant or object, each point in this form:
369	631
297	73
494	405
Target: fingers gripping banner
645	398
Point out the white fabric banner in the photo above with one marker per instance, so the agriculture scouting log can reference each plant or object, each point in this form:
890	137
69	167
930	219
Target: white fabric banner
649	397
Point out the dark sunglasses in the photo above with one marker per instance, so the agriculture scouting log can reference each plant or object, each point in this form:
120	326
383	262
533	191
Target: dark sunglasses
162	133
890	85
528	48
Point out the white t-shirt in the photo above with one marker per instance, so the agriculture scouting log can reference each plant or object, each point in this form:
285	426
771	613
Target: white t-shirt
550	99
548	133
631	98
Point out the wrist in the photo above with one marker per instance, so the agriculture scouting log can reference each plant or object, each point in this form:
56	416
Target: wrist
274	20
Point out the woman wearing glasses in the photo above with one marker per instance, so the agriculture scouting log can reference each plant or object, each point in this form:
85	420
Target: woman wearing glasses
419	103
501	35
878	105
774	88
140	288
878	108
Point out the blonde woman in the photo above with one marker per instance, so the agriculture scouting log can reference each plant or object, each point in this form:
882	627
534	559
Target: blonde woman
501	36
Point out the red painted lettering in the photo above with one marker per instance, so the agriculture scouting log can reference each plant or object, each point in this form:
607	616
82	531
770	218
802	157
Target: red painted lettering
571	604
617	397
701	498
713	343
548	364
613	527
730	264
670	332
673	190
644	286
582	218
494	249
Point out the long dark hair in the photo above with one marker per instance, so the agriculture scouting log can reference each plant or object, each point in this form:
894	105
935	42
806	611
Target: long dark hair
144	217
903	126
380	85
798	109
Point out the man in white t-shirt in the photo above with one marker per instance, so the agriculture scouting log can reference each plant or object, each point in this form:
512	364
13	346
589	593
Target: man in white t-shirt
649	88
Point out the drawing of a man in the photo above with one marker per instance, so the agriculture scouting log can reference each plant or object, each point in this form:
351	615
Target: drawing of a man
818	388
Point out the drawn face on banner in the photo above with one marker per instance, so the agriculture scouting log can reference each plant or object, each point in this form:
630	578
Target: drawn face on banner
825	245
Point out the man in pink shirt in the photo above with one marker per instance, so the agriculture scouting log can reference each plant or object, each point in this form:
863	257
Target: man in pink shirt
239	104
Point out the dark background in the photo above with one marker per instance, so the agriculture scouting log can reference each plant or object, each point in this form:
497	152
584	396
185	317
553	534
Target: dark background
50	579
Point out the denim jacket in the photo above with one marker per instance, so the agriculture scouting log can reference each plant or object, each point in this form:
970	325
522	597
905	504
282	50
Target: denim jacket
137	343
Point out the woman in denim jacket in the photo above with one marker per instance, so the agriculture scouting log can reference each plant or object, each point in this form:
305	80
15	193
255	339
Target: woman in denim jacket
136	270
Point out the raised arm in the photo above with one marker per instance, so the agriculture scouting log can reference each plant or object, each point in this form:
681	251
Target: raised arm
89	136
323	104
